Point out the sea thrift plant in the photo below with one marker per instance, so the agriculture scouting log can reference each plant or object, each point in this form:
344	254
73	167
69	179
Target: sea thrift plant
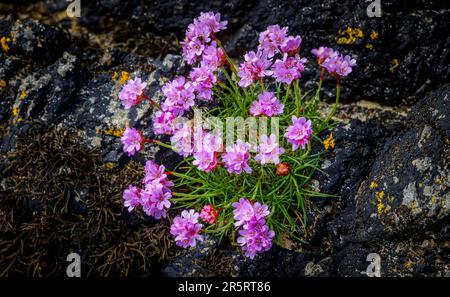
249	184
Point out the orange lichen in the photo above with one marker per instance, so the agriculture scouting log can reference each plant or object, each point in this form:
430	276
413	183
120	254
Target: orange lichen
351	35
4	42
2	84
329	142
374	35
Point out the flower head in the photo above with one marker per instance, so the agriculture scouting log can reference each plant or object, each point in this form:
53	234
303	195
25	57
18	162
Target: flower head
339	66
236	158
182	138
203	79
198	35
267	105
156	199
255	235
283	169
209	214
132	141
186	229
132	197
269	150
272	39
255	65
131	92
163	122
255	238
291	44
180	96
323	53
288	69
299	132
205	161
156	173
213	56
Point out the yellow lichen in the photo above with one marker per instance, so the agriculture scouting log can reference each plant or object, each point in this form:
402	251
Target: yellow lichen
395	63
329	142
2	84
116	132
369	46
114	76
23	95
408	265
4	42
374	35
373	184
352	35
15	111
380	205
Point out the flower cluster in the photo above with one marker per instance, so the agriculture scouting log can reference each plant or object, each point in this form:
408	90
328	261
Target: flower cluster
154	197
255	235
186	229
267	105
132	141
269	150
278	57
299	132
199	34
259	64
336	64
131	92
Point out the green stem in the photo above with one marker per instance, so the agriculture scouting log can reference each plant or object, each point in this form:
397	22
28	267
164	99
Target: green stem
181	175
330	115
163	144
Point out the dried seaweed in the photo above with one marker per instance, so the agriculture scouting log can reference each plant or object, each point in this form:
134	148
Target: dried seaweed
57	197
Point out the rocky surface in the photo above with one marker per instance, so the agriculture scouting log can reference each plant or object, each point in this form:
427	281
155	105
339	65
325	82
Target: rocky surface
390	165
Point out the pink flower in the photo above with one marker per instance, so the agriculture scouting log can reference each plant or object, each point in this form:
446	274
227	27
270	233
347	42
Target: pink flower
255	239
211	21
180	96
156	173
132	197
291	44
192	49
299	132
255	65
269	150
213	56
186	229
289	68
243	211
203	79
205	161
267	105
255	235
271	39
163	122
132	141
236	158
156	199
198	35
339	66
209	214
131	92
322	53
182	139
